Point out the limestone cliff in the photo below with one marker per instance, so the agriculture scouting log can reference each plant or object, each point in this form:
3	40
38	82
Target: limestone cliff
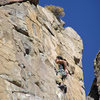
30	39
95	88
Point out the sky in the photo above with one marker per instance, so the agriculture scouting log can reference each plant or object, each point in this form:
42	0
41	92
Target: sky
84	17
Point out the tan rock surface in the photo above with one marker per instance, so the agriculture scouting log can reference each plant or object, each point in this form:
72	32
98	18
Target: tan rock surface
30	40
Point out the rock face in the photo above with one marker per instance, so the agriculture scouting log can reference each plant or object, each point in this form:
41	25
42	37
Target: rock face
6	2
95	89
30	39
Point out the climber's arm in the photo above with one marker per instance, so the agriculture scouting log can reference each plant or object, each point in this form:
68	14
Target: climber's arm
60	61
65	65
57	67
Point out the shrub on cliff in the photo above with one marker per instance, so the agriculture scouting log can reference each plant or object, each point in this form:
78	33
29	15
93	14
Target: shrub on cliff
57	11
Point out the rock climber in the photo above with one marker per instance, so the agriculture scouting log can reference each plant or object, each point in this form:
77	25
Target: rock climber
61	70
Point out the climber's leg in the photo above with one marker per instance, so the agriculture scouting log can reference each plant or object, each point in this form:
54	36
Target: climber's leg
58	79
65	89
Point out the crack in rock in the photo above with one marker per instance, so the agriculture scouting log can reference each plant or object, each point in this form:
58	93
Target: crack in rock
6	77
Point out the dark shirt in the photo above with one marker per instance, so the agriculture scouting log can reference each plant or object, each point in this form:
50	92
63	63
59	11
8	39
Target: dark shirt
61	66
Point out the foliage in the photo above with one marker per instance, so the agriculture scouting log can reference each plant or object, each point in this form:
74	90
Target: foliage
56	10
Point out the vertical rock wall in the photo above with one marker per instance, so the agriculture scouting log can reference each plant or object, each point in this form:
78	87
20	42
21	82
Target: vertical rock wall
30	39
94	93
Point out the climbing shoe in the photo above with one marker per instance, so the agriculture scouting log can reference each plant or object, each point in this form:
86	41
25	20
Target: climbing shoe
63	88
